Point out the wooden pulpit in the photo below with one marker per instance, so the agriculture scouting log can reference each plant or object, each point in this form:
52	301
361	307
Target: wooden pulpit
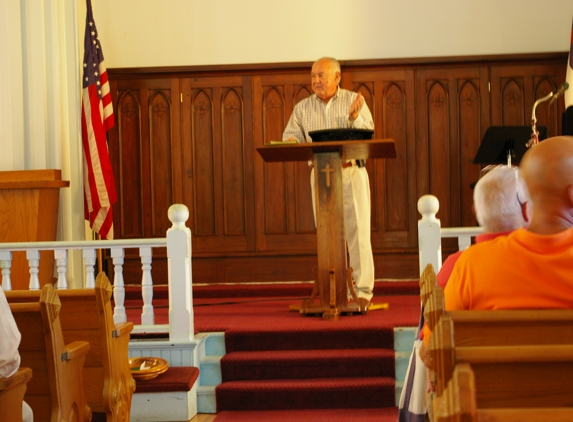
333	280
29	202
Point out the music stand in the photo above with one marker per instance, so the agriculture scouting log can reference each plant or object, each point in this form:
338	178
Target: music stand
499	141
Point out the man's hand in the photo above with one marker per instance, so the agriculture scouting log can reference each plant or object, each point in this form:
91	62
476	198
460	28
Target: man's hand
355	107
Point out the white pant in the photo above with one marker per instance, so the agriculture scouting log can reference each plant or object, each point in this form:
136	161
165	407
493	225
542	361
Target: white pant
356	198
27	414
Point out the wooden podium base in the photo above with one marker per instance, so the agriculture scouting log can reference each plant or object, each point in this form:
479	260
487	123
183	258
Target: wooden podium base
337	306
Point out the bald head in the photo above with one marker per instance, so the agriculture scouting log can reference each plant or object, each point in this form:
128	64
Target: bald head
547	169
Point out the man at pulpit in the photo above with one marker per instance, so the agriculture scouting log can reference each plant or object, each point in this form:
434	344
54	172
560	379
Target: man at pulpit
332	107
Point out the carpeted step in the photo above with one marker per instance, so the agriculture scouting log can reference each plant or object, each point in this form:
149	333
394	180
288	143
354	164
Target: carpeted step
334	336
327	393
311	415
307	364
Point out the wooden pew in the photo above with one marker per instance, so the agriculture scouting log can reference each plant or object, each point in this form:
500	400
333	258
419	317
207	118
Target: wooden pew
12	390
459	402
55	392
457	329
86	315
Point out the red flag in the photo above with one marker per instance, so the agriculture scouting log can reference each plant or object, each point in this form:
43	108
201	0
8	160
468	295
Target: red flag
97	119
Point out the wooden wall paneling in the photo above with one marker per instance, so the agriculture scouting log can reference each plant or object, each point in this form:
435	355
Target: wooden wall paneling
473	108
144	150
452	120
160	160
217	162
142	144
515	88
253	221
285	221
125	155
390	96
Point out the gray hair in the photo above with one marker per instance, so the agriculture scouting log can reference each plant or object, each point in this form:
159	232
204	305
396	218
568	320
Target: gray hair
498	199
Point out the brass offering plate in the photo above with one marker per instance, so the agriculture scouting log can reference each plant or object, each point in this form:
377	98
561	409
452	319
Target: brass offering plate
146	368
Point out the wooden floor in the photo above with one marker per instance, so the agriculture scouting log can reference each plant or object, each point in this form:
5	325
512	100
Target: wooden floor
204	417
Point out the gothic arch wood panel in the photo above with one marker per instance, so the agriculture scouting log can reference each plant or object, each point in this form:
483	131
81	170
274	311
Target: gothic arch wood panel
304	218
128	153
437	105
390	95
202	138
469	106
513	102
234	203
160	161
276	175
396	198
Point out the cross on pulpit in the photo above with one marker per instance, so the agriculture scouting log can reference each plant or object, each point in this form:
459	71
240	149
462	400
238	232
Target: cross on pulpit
328	170
333	279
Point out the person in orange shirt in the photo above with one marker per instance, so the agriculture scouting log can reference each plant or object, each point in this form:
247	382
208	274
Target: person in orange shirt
533	266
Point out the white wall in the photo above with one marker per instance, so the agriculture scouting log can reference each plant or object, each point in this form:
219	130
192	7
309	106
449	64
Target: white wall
142	33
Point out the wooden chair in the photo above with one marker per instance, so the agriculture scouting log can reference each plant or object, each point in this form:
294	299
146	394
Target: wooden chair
459	403
56	392
12	390
86	315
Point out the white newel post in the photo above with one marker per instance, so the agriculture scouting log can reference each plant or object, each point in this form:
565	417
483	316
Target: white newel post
119	316
147	317
33	257
6	264
429	239
181	326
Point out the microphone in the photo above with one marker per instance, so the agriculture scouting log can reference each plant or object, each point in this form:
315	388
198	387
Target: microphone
562	88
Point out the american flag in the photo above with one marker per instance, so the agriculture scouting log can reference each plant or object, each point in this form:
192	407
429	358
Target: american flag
97	119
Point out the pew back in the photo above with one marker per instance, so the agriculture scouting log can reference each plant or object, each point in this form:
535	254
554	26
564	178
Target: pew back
86	315
460	403
55	393
500	335
12	390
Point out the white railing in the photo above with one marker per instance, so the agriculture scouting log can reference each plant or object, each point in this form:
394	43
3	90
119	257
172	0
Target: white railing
178	244
430	233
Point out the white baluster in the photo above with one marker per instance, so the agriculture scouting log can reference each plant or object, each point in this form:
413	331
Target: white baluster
464	242
61	257
429	238
34	264
89	263
181	324
147	317
6	264
117	255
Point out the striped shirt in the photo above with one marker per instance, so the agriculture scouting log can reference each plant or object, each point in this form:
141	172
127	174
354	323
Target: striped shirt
313	114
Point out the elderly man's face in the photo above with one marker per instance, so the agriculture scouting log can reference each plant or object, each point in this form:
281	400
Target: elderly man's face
324	80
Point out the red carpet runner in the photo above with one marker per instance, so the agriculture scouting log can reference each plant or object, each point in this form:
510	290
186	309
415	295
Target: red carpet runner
279	360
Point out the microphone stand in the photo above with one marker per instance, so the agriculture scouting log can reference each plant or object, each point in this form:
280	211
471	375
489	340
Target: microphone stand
534	139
